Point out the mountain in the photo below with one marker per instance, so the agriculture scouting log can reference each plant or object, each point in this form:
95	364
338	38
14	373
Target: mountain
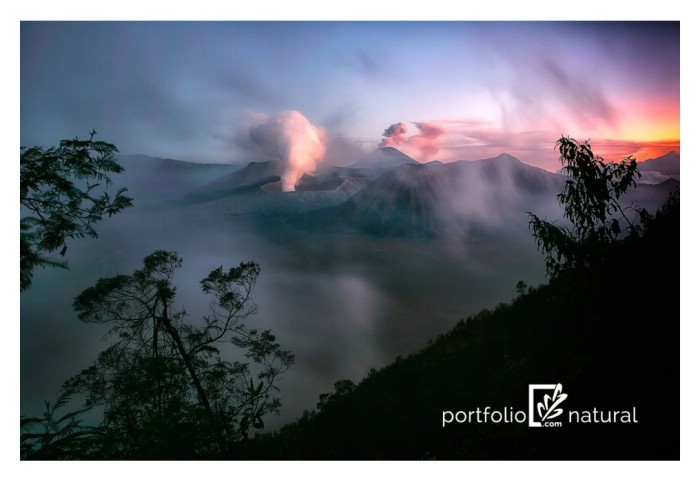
657	170
650	196
256	189
328	187
155	179
412	200
436	199
384	157
249	178
669	164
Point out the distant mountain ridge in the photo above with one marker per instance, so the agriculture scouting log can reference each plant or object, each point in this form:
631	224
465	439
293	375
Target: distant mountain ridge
410	200
155	179
668	164
657	170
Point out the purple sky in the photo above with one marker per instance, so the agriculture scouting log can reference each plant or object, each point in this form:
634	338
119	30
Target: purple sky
462	90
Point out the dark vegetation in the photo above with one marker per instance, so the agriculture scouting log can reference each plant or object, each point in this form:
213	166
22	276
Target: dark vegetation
164	387
63	193
605	326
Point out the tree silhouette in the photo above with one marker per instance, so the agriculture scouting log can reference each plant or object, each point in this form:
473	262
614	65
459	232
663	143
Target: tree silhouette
164	388
62	196
342	388
590	198
51	438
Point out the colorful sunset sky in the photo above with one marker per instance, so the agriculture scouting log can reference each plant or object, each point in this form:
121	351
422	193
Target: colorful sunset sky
435	90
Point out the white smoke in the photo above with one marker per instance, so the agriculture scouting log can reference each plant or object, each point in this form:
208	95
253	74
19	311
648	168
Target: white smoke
290	138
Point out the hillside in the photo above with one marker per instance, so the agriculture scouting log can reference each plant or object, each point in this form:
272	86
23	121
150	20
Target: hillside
609	347
443	199
669	164
156	179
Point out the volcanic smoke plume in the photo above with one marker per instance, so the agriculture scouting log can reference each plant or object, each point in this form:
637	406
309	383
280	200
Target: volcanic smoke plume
426	143
394	135
290	138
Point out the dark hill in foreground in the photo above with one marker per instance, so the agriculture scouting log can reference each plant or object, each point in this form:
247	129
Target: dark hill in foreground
610	345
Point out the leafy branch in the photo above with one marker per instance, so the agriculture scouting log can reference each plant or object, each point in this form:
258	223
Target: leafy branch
48	437
591	200
62	195
164	378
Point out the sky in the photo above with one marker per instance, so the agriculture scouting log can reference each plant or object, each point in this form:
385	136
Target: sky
435	90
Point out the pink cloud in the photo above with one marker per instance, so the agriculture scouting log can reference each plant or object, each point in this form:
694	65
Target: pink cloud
424	144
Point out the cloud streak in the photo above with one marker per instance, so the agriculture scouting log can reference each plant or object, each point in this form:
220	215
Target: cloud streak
552	92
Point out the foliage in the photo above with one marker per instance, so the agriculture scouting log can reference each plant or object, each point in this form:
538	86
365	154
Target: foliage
164	387
48	437
342	388
590	198
62	196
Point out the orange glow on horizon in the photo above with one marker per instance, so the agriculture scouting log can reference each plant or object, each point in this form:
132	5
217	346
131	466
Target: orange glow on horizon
650	122
616	150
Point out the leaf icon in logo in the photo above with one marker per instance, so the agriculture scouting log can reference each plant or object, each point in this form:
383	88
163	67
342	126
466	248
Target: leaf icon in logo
555	413
550	410
543	407
557	391
540	409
